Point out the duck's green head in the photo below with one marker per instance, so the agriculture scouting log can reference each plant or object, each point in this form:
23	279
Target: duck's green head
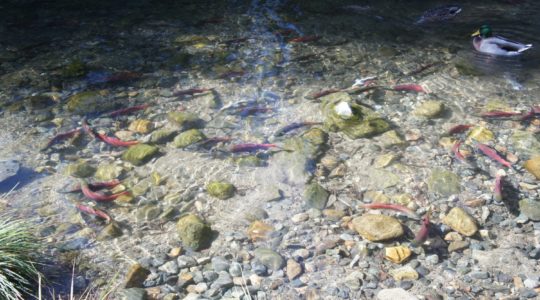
484	31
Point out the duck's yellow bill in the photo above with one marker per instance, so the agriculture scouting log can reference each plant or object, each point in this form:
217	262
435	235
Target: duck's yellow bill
476	33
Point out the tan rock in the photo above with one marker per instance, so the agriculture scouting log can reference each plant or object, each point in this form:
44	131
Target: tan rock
377	227
461	221
404	273
135	276
429	109
333	214
259	230
141	126
397	254
294	269
480	134
533	166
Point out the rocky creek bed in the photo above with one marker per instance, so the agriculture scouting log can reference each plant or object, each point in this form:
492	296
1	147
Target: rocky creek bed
196	217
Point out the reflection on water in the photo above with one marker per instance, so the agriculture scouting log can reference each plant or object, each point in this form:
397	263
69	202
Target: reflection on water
260	59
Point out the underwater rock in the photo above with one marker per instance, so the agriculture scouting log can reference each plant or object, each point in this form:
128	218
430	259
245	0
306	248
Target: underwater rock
147	213
193	232
443	182
530	208
187	138
377	227
269	258
259	230
404	273
88	102
108	171
249	161
109	232
220	190
315	196
141	126
139	154
397	254
315	136
38	102
533	166
526	143
185	120
80	169
480	134
135	276
391	138
429	109
75	68
363	122
461	221
162	136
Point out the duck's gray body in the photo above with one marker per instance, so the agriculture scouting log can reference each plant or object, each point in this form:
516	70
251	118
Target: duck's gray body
499	46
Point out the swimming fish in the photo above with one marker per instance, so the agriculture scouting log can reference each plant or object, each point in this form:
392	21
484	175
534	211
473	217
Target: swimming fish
440	13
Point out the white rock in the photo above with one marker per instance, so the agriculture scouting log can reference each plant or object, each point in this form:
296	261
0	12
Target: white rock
393	294
343	110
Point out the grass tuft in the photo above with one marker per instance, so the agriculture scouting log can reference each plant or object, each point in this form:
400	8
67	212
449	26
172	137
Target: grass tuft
18	250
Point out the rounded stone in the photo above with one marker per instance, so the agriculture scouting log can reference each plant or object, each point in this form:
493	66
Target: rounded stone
429	109
220	190
193	232
377	227
460	221
140	154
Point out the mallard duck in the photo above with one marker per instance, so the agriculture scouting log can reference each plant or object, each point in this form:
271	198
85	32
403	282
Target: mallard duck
485	42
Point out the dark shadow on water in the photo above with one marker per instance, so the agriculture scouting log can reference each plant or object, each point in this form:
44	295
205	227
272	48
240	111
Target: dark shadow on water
22	178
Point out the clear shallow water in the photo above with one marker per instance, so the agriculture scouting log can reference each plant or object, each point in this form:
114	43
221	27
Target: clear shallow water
382	40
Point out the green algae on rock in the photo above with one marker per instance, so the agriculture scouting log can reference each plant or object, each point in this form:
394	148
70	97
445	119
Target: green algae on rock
75	68
362	123
147	213
429	109
109	232
315	196
108	171
139	154
194	232
525	143
220	190
443	182
530	208
270	258
187	138
135	276
249	161
162	136
88	102
80	169
315	136
185	120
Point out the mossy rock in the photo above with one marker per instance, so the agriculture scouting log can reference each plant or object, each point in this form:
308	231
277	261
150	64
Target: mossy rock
88	102
187	138
444	183
108	171
140	154
363	123
38	102
185	120
194	232
316	136
109	232
525	142
162	136
315	196
220	190
249	161
76	68
80	169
